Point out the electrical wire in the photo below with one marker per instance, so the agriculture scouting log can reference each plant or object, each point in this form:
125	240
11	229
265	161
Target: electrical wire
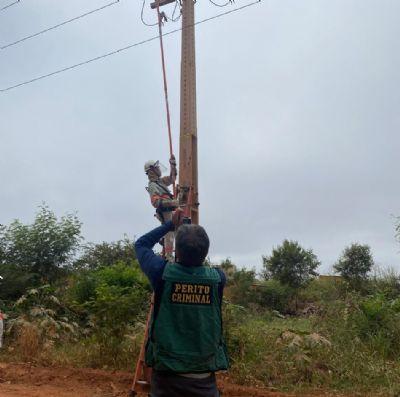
142	16
221	5
59	24
177	3
9	5
129	47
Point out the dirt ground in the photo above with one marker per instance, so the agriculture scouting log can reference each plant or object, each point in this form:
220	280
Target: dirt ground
23	380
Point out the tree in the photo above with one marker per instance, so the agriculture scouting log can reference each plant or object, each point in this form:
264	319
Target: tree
229	268
15	282
95	256
355	263
241	289
291	264
38	253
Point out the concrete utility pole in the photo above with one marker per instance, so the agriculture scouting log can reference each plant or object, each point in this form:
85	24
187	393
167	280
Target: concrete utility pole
188	167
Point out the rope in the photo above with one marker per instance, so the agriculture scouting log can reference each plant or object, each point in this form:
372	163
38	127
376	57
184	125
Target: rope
160	22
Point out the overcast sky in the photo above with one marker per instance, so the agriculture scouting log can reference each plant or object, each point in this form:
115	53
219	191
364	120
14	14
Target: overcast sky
298	122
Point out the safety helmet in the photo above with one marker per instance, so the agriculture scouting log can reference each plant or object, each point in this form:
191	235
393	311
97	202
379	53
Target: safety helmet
150	164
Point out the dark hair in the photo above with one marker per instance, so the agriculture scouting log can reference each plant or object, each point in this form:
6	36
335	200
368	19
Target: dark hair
191	245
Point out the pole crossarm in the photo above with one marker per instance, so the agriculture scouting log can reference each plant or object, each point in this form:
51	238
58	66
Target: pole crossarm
161	3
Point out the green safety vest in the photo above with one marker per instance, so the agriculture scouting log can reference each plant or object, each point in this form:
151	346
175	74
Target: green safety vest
186	330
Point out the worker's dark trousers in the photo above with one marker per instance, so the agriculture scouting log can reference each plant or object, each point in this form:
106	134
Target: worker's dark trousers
172	385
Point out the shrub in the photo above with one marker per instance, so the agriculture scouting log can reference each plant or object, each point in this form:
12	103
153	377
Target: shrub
111	300
274	295
385	282
96	256
229	269
39	322
36	254
241	287
355	264
378	323
291	264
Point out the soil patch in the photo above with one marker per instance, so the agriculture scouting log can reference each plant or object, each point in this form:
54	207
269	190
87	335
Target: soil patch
23	380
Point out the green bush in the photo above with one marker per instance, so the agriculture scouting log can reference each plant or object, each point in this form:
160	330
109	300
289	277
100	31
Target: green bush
111	300
38	322
38	253
385	282
111	296
322	290
241	287
377	322
354	264
96	256
291	264
274	295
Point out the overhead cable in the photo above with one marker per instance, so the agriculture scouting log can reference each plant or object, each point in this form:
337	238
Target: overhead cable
222	5
139	43
142	16
59	25
9	5
173	18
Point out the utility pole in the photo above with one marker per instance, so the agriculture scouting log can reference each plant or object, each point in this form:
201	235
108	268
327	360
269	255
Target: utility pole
188	167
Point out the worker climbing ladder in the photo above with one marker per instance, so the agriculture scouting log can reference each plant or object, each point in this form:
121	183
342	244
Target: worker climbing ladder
187	191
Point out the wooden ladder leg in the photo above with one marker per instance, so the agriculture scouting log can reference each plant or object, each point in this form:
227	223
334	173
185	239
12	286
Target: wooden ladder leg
142	378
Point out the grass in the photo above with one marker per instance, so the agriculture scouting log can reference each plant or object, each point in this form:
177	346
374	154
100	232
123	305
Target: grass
349	344
303	354
282	354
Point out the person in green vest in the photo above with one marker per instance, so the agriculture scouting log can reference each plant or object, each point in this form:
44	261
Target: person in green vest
185	346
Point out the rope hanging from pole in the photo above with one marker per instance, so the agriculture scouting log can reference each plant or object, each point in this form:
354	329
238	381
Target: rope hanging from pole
161	16
142	378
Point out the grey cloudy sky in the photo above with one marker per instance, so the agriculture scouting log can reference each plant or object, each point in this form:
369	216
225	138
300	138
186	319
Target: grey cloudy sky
298	120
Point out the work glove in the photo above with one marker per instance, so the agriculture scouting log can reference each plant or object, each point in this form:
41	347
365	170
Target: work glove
172	161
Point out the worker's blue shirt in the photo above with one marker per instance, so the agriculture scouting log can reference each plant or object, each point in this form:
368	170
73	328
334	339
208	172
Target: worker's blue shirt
153	265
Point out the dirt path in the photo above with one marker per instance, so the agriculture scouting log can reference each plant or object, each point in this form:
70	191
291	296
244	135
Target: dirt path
23	380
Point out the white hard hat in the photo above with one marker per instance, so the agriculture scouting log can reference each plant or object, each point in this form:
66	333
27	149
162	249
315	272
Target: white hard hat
150	164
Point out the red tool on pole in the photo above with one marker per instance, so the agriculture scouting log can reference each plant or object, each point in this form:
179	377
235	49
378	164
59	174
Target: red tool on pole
161	17
142	377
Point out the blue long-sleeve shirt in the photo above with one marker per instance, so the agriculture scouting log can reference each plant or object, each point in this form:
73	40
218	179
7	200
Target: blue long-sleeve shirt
153	265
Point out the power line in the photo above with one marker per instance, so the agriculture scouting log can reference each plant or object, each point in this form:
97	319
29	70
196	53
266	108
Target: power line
9	5
175	19
127	47
222	5
58	25
142	16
